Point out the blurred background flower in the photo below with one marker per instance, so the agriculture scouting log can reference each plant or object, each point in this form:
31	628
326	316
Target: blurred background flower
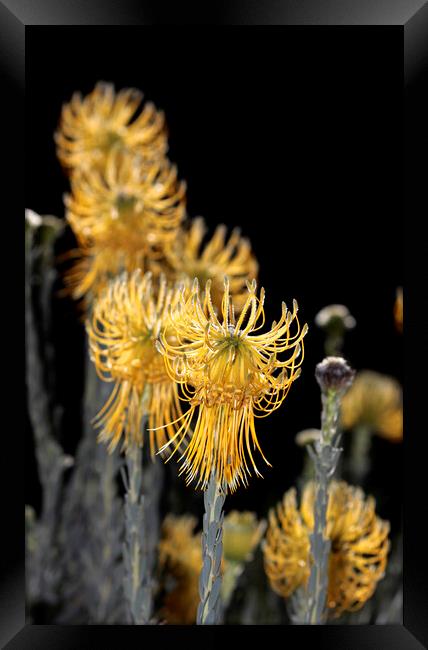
398	309
358	552
180	557
124	215
221	256
375	402
92	125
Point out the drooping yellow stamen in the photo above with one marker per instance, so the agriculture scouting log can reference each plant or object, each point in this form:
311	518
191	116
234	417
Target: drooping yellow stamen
125	324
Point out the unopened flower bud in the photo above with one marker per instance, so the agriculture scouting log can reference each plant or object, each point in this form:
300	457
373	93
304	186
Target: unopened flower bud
333	373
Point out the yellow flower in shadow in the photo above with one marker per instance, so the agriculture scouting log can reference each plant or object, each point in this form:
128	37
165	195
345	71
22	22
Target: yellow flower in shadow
374	401
125	323
90	126
122	215
241	534
219	257
180	555
230	374
359	546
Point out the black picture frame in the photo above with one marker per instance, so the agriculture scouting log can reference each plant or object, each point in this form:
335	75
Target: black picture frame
18	16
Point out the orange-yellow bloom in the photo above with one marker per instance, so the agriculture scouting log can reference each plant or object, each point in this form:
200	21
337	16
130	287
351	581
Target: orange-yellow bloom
122	214
91	126
221	256
180	555
359	546
230	375
126	321
375	402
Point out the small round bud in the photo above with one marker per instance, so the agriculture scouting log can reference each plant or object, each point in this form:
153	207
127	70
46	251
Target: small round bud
333	373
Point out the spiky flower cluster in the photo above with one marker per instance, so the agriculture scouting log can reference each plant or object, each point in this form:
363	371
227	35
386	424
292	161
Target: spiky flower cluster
91	126
359	546
221	256
127	210
126	322
124	215
230	375
126	206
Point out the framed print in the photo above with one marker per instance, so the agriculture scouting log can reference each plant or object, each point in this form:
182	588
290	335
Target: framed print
221	416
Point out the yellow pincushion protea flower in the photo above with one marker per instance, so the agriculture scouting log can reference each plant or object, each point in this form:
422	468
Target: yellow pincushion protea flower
92	125
220	257
374	401
359	546
180	554
126	321
122	215
230	375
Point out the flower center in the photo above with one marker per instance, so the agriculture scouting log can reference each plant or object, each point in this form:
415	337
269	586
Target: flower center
231	374
110	139
125	204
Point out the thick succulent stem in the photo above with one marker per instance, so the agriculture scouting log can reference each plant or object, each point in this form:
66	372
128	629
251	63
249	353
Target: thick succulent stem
209	610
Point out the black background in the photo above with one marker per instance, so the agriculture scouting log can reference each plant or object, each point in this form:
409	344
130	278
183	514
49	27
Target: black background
292	134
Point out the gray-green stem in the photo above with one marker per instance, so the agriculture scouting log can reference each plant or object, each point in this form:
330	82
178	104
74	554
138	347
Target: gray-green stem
209	610
137	580
325	456
333	344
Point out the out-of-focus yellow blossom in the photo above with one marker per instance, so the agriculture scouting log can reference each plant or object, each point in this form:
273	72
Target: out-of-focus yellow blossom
127	199
241	534
374	401
221	256
91	126
359	546
180	555
122	215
